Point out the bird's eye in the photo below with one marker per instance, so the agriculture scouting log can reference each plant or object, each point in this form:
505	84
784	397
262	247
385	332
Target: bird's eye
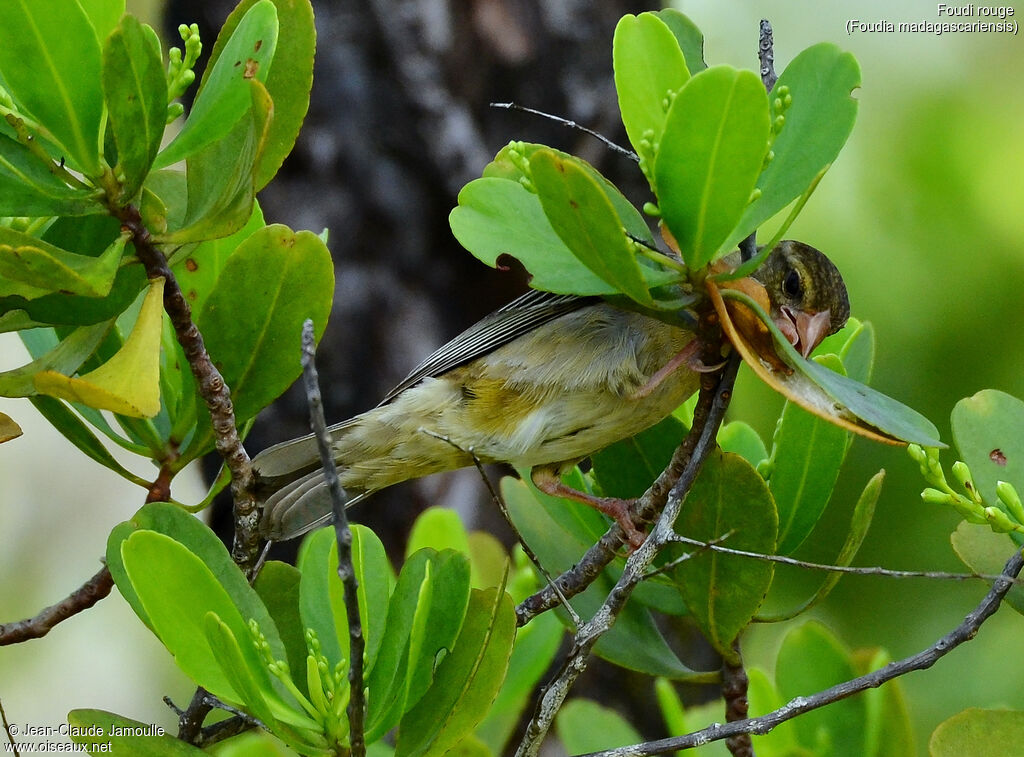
792	285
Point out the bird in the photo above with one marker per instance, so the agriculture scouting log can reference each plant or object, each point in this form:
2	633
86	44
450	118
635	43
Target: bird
541	384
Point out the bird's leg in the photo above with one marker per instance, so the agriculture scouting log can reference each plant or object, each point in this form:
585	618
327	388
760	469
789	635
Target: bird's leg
546	478
687	355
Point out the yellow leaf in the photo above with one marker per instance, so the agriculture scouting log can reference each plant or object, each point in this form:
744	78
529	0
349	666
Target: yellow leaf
8	429
128	383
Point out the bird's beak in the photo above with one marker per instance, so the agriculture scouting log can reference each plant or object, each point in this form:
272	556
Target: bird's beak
803	330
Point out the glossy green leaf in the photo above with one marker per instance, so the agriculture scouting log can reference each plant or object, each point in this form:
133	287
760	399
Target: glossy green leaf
437	528
578	730
711	152
689	37
984	551
488	560
220	177
225	95
290	78
536	645
278	588
103	15
66	357
29	188
817	124
584	219
467	680
252	320
227	651
889	730
72	428
373	576
32	268
513	163
174	522
177	590
860	522
96	728
50	63
741	438
830	395
135	90
649	70
498	219
628	467
806	457
988	428
315	596
812	659
724	591
559	531
979	733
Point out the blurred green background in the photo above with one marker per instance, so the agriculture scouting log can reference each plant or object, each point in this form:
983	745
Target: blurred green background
924	214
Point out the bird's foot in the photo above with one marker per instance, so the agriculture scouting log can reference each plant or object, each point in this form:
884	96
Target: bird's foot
615	508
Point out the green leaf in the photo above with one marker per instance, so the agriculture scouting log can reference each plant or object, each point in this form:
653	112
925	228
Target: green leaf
177	590
225	95
315	596
860	522
689	37
812	659
627	468
220	177
585	220
830	395
806	457
32	268
97	728
979	733
889	730
437	528
649	70
103	15
135	90
724	591
988	429
66	357
711	152
764	698
278	588
536	645
742	439
984	551
290	78
71	427
817	124
576	727
467	680
252	320
373	576
496	219
29	188
50	63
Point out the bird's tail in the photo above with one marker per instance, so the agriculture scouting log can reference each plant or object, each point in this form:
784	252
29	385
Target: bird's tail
376	449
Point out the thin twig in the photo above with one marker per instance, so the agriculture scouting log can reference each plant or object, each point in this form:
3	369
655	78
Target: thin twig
346	571
716	391
190	720
766	55
923	660
84	597
571	125
7	729
868	570
212	388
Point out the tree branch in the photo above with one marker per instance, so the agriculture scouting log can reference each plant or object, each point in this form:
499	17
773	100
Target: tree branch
245	549
923	660
88	594
346	571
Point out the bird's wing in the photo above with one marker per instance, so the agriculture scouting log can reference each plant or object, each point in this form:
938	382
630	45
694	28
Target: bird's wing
524	313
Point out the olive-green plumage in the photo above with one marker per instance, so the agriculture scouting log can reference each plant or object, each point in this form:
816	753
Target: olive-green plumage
541	384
